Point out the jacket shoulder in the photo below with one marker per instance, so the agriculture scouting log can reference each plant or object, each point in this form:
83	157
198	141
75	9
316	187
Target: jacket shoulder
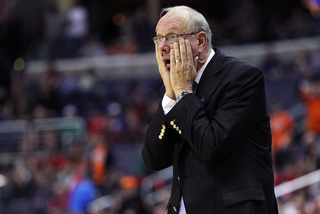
239	64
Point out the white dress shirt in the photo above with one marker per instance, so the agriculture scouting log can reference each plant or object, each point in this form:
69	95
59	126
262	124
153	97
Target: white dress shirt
168	104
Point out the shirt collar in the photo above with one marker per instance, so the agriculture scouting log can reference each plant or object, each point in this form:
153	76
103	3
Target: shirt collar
200	72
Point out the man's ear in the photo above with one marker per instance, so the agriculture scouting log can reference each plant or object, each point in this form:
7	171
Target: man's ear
202	41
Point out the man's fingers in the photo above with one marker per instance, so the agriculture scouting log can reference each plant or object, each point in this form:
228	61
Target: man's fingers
160	61
176	52
189	51
183	55
172	58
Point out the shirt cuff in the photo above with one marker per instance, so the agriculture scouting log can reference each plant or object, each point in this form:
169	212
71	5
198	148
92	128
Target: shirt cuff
167	104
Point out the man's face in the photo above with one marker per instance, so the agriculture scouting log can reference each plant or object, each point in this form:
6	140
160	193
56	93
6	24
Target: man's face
173	23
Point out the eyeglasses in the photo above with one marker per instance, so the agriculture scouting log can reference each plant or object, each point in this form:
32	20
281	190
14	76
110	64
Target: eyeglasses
170	37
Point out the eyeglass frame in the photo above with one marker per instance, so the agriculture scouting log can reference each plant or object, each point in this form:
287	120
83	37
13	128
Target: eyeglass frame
160	38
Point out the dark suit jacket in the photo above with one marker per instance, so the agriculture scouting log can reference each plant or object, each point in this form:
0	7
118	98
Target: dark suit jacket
219	143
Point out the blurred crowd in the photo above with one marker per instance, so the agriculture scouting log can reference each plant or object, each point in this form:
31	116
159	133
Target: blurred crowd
74	28
107	161
293	91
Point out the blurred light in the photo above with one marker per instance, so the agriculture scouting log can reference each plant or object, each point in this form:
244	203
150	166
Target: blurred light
313	6
128	182
3	180
119	19
18	64
69	110
114	109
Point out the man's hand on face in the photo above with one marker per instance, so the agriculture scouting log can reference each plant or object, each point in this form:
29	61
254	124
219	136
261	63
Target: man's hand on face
182	67
165	74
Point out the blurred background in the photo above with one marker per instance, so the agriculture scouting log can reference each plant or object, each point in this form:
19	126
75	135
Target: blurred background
79	85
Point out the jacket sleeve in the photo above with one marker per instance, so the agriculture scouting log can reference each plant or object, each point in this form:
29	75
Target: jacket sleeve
159	143
241	108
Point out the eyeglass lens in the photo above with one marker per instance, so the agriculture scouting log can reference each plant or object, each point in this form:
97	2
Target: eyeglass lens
170	38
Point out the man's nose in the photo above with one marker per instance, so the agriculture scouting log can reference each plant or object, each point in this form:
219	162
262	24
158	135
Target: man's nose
164	45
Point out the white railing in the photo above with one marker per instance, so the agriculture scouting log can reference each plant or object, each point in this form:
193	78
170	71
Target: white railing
298	183
145	65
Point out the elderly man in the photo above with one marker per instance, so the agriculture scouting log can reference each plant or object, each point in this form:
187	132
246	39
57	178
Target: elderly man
216	135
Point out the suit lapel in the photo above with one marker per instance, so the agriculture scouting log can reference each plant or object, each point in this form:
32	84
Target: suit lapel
209	81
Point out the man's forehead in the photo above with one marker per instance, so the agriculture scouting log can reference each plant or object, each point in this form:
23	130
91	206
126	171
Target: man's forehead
173	28
171	22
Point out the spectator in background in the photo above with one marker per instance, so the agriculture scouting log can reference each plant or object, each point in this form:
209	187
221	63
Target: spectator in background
82	190
58	202
142	30
310	92
270	61
46	92
315	61
130	201
88	81
76	29
295	205
22	188
53	30
92	47
6	108
98	158
68	89
301	63
282	126
42	193
97	121
116	124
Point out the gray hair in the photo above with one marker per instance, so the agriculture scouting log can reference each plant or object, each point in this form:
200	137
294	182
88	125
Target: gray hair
196	21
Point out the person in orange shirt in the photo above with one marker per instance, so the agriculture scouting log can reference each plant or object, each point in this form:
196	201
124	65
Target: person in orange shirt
282	126
98	158
310	92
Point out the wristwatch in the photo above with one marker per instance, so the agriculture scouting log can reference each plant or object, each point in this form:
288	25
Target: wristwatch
180	96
